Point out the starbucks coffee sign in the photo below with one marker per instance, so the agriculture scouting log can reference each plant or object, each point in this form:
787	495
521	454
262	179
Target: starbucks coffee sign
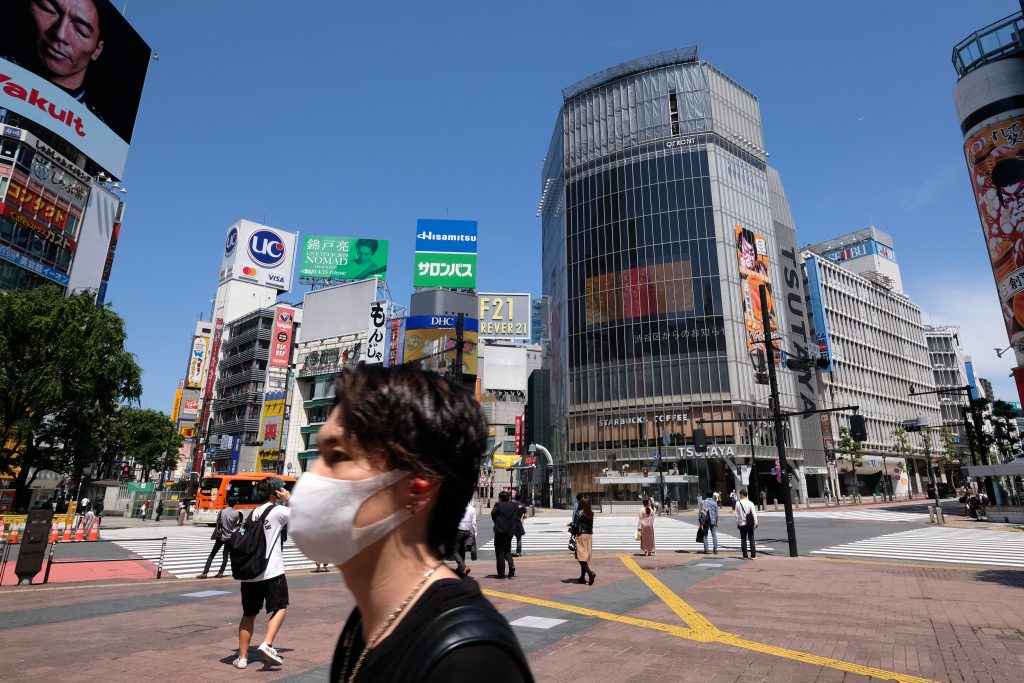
616	421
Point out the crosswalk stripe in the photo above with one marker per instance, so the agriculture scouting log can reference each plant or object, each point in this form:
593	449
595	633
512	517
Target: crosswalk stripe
938	544
862	515
617	534
187	549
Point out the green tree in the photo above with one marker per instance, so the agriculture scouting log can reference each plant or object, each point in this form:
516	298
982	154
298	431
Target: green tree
1004	428
63	371
848	450
147	437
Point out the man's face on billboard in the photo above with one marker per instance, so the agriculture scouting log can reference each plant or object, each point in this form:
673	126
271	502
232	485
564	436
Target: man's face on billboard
1012	201
747	253
364	254
67	38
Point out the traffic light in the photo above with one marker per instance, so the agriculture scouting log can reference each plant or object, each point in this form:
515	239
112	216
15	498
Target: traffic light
858	430
700	441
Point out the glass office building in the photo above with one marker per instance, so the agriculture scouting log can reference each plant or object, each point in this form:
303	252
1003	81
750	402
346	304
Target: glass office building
661	220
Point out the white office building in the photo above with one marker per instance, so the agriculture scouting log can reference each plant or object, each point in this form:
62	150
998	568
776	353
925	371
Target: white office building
875	340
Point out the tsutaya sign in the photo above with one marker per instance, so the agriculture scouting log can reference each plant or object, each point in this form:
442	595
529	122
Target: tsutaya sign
640	419
713	452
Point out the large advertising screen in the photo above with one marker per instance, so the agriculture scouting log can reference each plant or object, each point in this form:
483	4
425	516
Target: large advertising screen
75	67
431	339
271	422
995	157
258	253
639	292
343	258
752	253
505	316
445	254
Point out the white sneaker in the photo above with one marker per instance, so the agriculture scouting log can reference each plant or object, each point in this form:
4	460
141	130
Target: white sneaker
240	663
270	654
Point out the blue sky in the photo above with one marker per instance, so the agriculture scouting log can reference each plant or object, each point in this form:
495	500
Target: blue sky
356	119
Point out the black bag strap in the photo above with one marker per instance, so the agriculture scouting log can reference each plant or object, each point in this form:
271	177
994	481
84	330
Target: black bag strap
455	628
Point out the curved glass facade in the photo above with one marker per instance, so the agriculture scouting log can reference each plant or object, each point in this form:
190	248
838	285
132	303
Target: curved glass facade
649	178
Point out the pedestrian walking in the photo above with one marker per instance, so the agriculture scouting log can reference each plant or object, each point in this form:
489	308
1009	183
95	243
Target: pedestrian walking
732	498
576	505
746	520
718	497
520	531
228	521
505	515
465	536
827	494
710	522
159	510
145	509
414	437
270	587
645	528
583	530
764	499
182	512
88	519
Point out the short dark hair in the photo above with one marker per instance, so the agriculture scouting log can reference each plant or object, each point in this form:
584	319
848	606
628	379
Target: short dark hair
743	492
503	495
579	497
365	242
406	418
266	488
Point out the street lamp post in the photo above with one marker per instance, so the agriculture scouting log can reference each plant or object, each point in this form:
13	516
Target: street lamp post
787	500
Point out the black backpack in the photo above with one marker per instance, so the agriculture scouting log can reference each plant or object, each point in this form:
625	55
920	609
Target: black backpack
247	548
459	627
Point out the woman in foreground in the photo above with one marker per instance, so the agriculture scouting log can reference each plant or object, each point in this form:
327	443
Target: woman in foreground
383	501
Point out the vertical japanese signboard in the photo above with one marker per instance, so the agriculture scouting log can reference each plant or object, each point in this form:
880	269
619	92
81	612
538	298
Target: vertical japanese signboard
236	453
376	335
752	253
198	361
272	427
395	341
445	254
281	345
519	434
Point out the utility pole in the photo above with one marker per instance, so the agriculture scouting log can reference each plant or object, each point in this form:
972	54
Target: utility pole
460	336
769	345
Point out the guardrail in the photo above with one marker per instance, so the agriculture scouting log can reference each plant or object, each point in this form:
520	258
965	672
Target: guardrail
159	566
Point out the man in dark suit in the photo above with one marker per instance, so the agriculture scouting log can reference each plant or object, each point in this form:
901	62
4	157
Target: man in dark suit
505	515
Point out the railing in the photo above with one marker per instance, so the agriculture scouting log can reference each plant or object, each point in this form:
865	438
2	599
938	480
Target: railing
992	43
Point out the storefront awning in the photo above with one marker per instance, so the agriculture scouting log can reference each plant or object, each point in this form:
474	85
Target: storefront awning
1010	469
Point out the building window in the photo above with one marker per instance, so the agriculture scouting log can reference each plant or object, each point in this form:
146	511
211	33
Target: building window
673	112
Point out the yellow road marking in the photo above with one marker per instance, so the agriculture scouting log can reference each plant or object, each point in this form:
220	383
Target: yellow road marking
703	630
680	631
692	617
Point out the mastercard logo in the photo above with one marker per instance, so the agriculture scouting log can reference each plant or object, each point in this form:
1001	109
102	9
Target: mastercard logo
247	270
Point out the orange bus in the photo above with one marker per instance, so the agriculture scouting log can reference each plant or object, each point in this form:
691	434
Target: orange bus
215	490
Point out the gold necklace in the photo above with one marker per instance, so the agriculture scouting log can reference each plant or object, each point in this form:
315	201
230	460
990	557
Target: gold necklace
387	622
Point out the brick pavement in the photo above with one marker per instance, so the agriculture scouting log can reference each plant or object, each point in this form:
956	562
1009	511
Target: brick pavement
774	619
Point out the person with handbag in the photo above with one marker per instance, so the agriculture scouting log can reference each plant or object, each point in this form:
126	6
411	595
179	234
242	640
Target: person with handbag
746	520
710	522
397	465
583	528
645	528
228	520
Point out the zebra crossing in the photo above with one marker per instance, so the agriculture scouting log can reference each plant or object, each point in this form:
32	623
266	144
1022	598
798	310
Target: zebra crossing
939	544
187	549
616	534
858	515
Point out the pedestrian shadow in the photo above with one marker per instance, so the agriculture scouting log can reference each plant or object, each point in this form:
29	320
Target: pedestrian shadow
1005	577
255	658
575	581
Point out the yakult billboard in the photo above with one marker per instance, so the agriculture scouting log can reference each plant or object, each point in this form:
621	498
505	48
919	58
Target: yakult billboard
258	253
75	67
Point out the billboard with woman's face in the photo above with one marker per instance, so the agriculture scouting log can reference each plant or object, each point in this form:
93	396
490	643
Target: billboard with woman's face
75	67
995	157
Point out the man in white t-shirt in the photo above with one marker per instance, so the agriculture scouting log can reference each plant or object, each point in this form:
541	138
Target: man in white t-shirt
746	520
270	587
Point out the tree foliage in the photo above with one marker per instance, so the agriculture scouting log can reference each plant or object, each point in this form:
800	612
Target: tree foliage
63	371
848	449
143	436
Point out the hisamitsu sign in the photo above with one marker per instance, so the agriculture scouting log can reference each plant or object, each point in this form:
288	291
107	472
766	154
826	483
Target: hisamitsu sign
445	254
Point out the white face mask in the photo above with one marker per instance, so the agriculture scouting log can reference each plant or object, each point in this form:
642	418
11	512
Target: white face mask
323	515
